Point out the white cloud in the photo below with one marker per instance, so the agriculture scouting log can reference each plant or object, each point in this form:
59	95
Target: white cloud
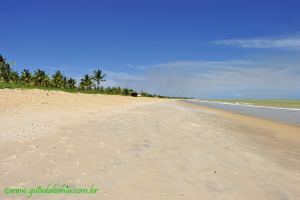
261	43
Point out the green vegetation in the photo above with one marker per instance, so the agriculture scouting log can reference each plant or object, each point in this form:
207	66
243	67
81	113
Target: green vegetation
39	79
266	102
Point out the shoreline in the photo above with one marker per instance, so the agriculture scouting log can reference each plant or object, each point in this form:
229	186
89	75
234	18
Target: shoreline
286	116
280	129
250	105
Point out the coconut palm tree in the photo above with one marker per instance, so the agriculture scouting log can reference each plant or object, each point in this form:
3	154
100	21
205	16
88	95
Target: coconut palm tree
5	70
86	82
2	61
65	82
39	77
98	76
125	91
71	83
47	81
26	76
58	79
14	76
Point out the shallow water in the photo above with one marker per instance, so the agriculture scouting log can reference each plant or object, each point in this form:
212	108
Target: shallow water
290	116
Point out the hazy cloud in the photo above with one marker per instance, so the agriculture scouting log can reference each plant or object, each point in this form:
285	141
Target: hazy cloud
261	43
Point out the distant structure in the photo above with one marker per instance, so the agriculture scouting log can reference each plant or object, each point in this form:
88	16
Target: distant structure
133	94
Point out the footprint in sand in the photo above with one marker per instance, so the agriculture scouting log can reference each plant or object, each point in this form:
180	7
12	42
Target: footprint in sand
101	168
53	172
68	131
52	161
63	139
3	174
73	182
101	145
43	155
33	148
12	157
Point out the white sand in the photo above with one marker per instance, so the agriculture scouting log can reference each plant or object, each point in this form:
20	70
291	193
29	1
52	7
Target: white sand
143	148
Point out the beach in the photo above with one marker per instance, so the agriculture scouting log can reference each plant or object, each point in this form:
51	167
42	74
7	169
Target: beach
143	148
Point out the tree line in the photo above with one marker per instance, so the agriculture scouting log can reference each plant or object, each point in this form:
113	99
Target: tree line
10	78
40	79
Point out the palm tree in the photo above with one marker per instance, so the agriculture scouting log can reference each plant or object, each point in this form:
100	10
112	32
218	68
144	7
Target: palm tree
125	91
39	77
64	82
58	79
86	82
5	70
98	76
47	81
26	76
2	62
71	83
14	76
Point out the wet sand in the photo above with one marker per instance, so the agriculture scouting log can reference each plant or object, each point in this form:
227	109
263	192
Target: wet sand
143	148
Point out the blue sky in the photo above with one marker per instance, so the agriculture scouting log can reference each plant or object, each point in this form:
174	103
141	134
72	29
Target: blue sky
206	49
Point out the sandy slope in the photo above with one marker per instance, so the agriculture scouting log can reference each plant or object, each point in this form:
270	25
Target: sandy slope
136	148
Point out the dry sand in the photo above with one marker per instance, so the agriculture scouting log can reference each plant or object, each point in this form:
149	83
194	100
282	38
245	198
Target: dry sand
143	148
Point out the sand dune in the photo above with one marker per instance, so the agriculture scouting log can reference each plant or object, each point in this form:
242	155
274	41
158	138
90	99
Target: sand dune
143	148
